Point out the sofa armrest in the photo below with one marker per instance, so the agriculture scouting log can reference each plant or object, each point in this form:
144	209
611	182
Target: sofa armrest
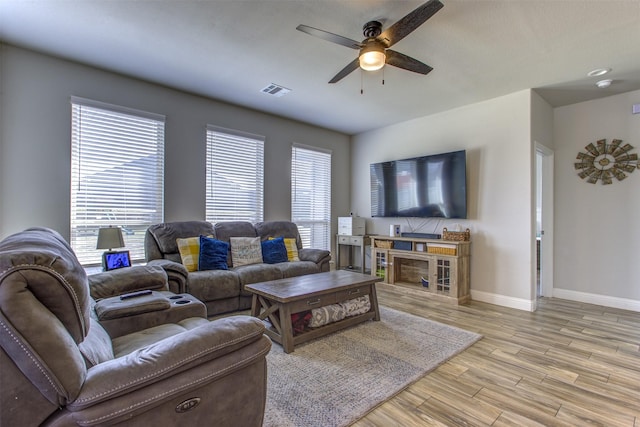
124	280
320	256
160	372
177	274
315	255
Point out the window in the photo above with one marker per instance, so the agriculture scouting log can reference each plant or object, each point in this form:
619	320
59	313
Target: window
117	175
311	195
235	176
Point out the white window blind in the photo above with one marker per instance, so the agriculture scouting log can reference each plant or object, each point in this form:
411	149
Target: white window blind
311	195
235	176
117	175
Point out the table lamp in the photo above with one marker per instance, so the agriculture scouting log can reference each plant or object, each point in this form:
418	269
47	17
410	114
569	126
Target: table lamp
109	238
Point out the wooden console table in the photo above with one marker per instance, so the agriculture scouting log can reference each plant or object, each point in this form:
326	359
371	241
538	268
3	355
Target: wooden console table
433	267
277	300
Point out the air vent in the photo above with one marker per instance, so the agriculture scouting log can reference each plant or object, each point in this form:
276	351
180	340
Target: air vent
275	90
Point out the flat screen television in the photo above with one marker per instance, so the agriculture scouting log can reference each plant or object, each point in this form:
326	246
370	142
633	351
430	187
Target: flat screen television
429	186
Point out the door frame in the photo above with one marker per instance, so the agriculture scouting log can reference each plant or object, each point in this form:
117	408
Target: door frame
546	241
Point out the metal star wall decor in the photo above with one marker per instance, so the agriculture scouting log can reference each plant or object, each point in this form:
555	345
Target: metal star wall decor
604	161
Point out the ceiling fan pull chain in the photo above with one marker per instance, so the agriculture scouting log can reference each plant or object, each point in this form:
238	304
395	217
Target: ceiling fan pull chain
382	76
361	82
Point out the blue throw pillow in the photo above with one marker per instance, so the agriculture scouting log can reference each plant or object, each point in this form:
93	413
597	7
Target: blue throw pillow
274	251
213	254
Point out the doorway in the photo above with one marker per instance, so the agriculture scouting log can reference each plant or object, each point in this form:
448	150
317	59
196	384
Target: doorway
544	222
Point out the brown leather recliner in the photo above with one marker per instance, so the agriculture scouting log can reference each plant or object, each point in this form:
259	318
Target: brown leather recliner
59	367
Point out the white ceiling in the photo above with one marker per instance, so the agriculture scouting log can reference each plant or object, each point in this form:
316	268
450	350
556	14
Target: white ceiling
231	49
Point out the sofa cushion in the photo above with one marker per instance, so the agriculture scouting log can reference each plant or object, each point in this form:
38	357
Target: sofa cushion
226	230
274	251
245	251
212	285
128	343
286	229
256	273
165	234
213	254
189	248
96	347
300	268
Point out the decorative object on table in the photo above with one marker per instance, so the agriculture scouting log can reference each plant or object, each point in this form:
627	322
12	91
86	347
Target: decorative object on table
604	161
456	236
110	238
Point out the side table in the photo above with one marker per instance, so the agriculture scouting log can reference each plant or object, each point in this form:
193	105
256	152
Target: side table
360	242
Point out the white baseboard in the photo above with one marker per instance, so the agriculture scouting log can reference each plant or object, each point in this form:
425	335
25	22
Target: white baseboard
505	301
604	300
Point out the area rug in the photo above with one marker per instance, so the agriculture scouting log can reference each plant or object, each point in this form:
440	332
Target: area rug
337	379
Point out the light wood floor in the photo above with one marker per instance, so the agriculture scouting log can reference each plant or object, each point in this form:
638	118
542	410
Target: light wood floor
567	364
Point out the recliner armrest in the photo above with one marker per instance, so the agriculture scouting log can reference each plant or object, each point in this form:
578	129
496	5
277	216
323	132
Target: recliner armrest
177	274
124	280
117	307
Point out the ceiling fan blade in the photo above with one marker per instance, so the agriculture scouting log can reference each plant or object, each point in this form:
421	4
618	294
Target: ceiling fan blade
353	65
330	37
405	62
413	20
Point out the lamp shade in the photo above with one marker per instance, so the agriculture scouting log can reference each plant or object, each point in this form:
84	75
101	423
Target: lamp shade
109	238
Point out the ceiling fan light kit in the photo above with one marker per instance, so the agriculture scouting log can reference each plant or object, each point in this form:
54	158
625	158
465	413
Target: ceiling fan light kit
374	49
372	57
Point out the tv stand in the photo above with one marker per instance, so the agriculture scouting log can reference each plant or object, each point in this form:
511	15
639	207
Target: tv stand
431	267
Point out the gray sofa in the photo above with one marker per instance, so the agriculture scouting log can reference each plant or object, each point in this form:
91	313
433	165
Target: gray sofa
223	291
61	366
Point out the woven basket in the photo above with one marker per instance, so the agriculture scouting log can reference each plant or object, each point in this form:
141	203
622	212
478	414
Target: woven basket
456	236
441	251
384	244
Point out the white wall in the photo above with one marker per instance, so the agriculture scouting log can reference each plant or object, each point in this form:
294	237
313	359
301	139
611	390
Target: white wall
597	227
500	162
35	140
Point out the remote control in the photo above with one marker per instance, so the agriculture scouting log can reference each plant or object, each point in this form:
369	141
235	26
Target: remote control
135	294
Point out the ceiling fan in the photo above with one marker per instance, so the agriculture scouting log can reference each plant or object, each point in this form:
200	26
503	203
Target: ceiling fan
374	49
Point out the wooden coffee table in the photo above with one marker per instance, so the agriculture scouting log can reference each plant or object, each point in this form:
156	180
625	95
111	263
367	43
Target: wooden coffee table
277	300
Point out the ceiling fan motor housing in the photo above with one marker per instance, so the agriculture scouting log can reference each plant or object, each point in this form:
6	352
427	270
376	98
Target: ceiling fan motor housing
372	29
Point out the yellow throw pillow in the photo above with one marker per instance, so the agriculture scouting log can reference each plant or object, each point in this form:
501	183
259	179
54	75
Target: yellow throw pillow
292	248
189	249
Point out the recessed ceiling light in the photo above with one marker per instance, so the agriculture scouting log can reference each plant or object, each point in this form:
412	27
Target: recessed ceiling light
602	84
598	72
